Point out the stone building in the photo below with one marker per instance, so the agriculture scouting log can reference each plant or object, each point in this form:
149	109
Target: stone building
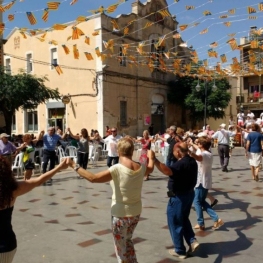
124	85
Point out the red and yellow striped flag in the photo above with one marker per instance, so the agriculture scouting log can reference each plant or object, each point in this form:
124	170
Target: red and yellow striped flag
31	18
223	58
112	8
233	43
126	31
75	52
227	24
251	10
204	31
115	25
11	17
189	7
232	11
45	15
58	69
8	6
2	28
252	17
23	34
164	13
96	33
87	40
88	56
59	26
254	44
97	51
260	6
53	5
76	33
32	32
66	49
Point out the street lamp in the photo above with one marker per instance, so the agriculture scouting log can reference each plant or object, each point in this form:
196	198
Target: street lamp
198	88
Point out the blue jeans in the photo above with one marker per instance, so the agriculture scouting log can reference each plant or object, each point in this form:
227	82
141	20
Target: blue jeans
199	203
178	210
112	160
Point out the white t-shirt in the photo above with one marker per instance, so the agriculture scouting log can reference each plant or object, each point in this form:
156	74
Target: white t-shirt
112	145
240	116
166	136
126	186
204	175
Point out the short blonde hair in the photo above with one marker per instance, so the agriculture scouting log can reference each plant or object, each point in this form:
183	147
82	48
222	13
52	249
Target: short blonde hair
125	147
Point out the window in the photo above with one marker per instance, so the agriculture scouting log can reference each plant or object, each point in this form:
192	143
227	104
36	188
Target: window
29	63
54	57
13	123
123	113
32	121
122	57
8	66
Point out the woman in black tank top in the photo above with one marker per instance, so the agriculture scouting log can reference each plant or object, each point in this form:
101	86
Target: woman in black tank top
10	189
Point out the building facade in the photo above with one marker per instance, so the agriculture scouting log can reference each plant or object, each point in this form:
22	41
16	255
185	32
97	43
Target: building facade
114	73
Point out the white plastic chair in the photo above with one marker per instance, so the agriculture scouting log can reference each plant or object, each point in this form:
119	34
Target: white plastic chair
72	153
93	154
18	164
61	153
104	151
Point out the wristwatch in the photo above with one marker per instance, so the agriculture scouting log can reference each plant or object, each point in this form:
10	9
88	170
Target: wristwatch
77	166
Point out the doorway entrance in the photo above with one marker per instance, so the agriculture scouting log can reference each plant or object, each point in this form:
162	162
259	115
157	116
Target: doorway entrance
56	118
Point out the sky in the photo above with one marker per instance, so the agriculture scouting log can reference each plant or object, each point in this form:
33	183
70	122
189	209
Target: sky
217	31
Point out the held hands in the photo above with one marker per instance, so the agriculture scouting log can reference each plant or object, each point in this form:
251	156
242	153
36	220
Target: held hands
64	163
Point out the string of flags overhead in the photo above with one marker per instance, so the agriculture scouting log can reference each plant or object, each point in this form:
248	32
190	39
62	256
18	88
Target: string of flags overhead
167	59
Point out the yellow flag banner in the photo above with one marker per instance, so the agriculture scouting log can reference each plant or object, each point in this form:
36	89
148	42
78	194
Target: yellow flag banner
75	52
233	43
11	17
87	40
88	56
260	6
31	18
183	27
58	69
254	44
76	33
66	49
251	10
223	58
189	7
232	11
115	25
97	51
59	27
228	24
53	5
45	15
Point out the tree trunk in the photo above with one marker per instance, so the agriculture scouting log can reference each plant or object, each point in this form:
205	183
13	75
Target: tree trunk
8	121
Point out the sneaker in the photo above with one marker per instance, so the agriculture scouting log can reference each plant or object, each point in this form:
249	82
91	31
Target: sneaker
193	247
173	253
218	224
214	203
199	227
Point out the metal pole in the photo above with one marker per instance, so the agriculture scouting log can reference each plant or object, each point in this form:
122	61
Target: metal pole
205	104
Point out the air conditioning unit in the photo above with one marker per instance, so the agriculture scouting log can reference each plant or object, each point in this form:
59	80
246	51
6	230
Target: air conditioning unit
239	99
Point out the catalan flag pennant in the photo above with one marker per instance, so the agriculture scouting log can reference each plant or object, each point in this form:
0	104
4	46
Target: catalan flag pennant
53	42
233	43
81	19
252	17
41	39
76	33
183	27
8	6
232	11
88	56
59	27
126	31
260	6
53	5
75	52
251	10
223	58
254	44
112	8
213	45
223	16
44	35
32	32
2	28
23	34
87	40
189	7
2	9
204	31
212	53
164	13
45	15
115	25
68	38
228	24
31	18
11	17
207	13
235	61
96	33
232	35
97	51
73	2
148	24
66	49
58	69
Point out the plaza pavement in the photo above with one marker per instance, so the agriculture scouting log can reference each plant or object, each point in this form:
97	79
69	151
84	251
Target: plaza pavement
70	221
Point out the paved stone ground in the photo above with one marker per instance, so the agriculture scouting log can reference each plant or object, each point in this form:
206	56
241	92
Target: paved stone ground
70	221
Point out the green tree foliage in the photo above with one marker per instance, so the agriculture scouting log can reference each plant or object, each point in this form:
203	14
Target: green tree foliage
183	92
23	91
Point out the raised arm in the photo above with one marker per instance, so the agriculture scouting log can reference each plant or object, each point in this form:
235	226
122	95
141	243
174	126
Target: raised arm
26	186
72	135
160	166
101	177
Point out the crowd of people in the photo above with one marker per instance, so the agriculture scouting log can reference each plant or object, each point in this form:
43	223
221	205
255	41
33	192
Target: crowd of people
185	153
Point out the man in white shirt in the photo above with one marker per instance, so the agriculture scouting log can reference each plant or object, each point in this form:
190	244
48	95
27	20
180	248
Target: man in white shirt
240	118
112	141
250	114
222	137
